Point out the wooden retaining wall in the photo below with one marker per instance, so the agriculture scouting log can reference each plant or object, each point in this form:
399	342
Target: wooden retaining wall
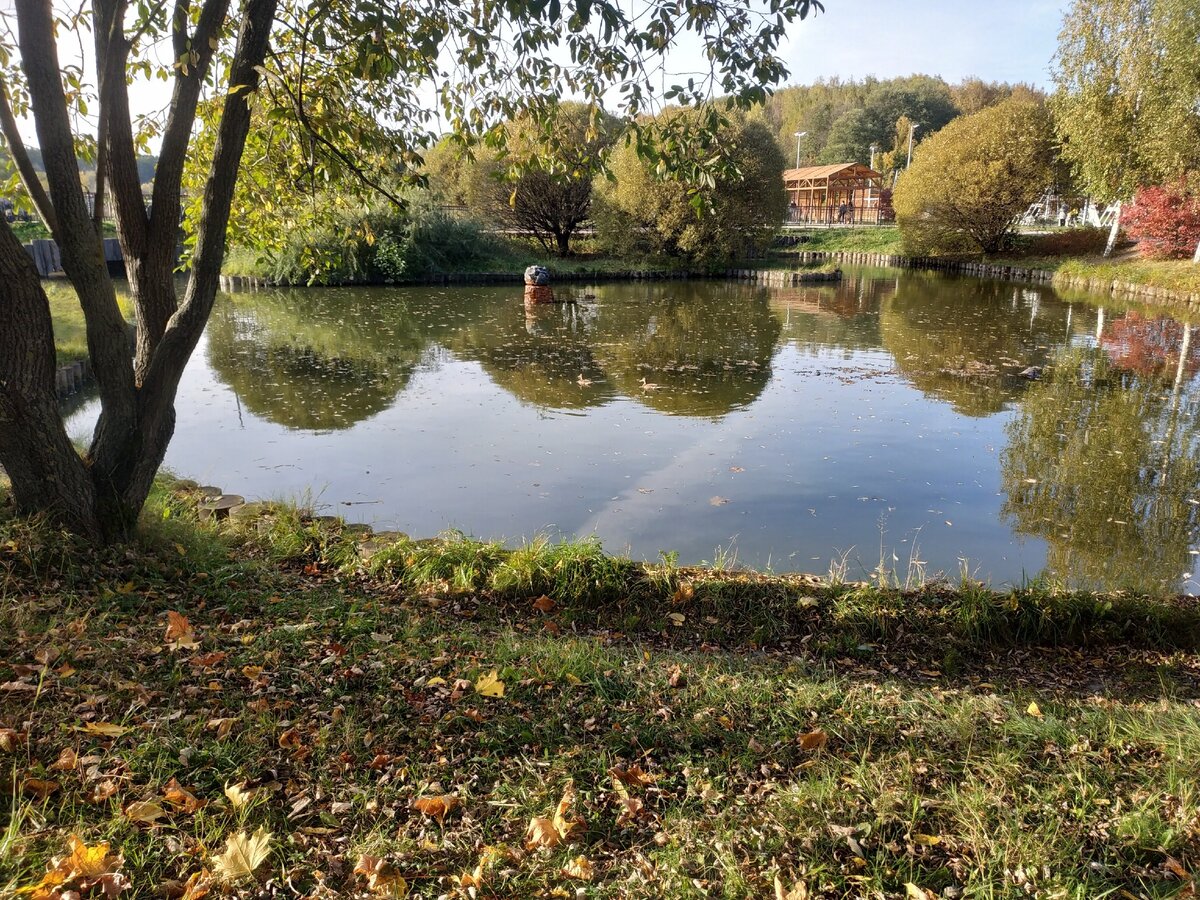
48	259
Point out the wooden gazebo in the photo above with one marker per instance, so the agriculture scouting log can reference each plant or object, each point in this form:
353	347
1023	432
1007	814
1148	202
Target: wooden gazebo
839	194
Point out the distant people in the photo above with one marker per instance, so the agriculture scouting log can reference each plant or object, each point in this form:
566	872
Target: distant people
792	210
842	213
850	211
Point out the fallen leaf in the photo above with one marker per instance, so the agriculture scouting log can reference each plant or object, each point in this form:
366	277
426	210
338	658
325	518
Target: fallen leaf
67	760
39	787
208	660
813	740
180	635
633	775
544	604
103	729
243	854
81	870
581	868
912	892
290	740
437	807
677	619
677	678
1034	710
566	825
10	740
490	685
632	809
798	891
103	791
382	877
238	796
717	501
198	886
541	833
146	812
221	726
926	840
181	798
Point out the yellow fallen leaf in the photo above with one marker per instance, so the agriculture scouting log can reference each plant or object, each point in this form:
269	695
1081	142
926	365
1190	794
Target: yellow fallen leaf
238	795
798	891
435	681
677	619
147	812
541	833
490	685
912	892
580	867
1034	711
243	854
181	798
382	877
927	840
103	729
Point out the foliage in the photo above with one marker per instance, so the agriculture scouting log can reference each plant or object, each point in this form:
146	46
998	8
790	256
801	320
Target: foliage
843	119
970	183
1165	221
1127	74
644	210
1085	241
385	245
534	184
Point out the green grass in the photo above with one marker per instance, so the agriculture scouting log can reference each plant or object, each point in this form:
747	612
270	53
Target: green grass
880	239
70	331
843	737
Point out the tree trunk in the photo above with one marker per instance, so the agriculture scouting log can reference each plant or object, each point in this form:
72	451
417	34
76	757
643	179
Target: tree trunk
563	240
1196	255
1112	232
100	496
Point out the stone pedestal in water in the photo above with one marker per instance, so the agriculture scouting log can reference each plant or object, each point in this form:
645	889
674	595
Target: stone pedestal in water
537	285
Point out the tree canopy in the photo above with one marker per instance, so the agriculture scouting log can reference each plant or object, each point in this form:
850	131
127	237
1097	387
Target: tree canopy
1127	104
339	93
970	182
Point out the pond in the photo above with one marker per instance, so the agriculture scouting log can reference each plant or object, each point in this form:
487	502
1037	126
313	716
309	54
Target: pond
879	422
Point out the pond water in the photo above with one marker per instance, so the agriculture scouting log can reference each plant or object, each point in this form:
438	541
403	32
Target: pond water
878	421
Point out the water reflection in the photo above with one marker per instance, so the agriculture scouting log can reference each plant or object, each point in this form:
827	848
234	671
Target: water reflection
884	416
1102	464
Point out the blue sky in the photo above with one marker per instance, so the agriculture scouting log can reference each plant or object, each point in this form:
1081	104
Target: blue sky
996	40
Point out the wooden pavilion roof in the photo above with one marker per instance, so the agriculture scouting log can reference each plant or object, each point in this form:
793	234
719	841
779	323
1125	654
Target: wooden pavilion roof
814	175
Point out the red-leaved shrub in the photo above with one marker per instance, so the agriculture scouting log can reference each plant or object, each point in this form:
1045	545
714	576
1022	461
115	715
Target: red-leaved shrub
1165	221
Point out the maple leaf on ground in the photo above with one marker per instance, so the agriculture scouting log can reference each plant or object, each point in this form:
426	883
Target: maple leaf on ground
147	812
634	775
580	867
238	795
544	604
489	685
544	832
243	854
83	868
180	634
632	809
813	740
798	891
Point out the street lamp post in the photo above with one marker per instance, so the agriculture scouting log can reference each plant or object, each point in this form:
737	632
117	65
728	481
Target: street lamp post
911	128
799	134
874	147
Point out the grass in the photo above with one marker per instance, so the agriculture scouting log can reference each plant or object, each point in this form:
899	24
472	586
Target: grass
845	739
880	239
70	331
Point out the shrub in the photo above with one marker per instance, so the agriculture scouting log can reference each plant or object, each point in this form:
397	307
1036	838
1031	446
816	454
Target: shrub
1087	241
1165	221
970	183
640	212
383	246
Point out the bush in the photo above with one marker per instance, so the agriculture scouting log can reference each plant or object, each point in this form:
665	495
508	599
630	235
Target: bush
384	246
641	213
1087	241
970	183
1165	221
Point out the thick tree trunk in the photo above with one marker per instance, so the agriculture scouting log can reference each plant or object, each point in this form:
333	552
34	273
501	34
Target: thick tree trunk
100	496
46	472
563	240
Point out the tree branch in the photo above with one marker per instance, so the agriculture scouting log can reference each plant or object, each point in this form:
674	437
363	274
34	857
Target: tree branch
20	156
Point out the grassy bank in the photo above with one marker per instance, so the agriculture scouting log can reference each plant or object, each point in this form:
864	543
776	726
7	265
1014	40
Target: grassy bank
419	710
70	330
881	239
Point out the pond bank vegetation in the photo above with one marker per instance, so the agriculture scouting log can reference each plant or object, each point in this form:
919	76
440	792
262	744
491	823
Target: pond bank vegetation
433	717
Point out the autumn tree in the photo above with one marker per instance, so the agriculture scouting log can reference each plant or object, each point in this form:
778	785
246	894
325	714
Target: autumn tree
349	80
1165	221
537	186
646	210
1127	104
970	183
